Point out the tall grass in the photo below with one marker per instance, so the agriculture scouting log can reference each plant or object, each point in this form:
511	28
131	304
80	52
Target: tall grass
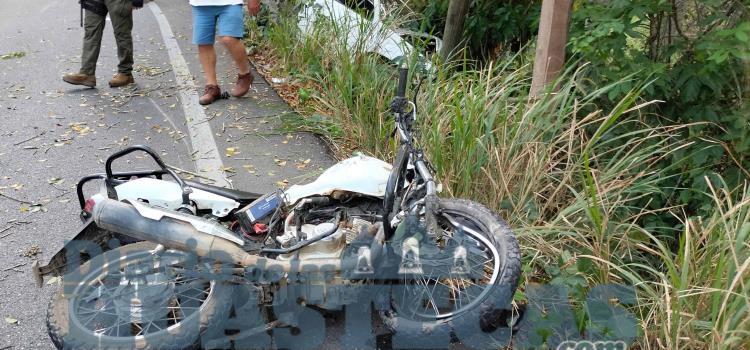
701	292
570	177
351	92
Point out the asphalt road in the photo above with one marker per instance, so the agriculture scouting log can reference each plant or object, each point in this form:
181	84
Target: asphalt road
52	133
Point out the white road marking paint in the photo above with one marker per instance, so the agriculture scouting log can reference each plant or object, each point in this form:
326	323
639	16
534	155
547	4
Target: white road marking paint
209	161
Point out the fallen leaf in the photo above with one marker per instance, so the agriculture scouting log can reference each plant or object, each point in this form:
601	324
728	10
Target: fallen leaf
303	164
231	151
80	128
11	320
283	183
32	208
53	280
32	251
15	54
55	181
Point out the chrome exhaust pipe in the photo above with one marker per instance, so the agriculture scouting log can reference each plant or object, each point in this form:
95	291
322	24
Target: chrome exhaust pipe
178	231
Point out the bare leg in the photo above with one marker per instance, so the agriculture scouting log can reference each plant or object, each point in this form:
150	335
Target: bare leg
237	49
207	56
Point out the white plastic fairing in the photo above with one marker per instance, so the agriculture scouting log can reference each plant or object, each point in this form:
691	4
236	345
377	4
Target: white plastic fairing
362	33
168	195
361	174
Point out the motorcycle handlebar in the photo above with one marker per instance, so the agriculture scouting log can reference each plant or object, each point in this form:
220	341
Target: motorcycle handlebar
403	74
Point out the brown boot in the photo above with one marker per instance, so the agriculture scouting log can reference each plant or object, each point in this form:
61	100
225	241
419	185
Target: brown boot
121	79
243	84
80	79
210	94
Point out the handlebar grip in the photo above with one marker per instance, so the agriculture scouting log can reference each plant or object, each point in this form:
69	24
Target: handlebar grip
403	74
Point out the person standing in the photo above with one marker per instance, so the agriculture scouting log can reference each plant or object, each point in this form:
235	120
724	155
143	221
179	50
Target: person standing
228	16
121	15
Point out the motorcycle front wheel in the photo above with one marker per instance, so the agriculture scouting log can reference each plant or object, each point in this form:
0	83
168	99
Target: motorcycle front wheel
470	273
131	298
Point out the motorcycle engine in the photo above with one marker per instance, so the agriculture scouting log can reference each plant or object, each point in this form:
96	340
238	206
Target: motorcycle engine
314	217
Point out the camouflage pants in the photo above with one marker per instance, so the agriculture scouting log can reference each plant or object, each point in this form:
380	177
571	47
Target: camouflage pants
121	14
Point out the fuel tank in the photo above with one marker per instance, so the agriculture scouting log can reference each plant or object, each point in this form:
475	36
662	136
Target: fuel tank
360	174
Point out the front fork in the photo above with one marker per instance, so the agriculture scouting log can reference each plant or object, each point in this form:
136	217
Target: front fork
431	201
431	207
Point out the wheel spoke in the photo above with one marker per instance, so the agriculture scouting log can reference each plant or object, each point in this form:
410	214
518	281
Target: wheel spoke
95	311
99	300
462	291
140	329
191	298
117	325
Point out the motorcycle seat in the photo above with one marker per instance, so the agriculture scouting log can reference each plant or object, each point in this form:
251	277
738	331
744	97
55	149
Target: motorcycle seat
236	195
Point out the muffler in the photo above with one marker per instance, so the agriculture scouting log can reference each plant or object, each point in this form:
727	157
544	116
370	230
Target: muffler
178	231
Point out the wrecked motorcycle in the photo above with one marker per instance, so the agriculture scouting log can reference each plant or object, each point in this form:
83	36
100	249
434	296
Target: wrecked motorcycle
438	263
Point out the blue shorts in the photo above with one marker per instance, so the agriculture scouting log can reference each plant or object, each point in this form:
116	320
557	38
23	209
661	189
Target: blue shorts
229	18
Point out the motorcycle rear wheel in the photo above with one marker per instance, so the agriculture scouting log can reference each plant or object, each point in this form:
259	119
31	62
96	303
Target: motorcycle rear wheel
93	315
417	319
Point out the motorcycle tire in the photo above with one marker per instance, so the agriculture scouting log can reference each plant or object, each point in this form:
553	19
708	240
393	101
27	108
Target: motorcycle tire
68	333
419	331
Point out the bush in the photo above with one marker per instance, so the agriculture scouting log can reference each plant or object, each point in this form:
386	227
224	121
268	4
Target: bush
491	28
694	52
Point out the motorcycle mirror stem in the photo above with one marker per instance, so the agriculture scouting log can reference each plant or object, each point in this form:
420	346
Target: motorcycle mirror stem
403	74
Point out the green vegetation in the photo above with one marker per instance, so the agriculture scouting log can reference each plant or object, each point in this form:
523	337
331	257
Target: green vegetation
602	182
696	53
492	27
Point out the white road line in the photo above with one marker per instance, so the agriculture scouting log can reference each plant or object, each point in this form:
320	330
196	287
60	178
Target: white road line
208	161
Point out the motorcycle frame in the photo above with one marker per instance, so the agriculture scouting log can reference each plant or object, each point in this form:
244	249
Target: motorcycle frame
408	154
